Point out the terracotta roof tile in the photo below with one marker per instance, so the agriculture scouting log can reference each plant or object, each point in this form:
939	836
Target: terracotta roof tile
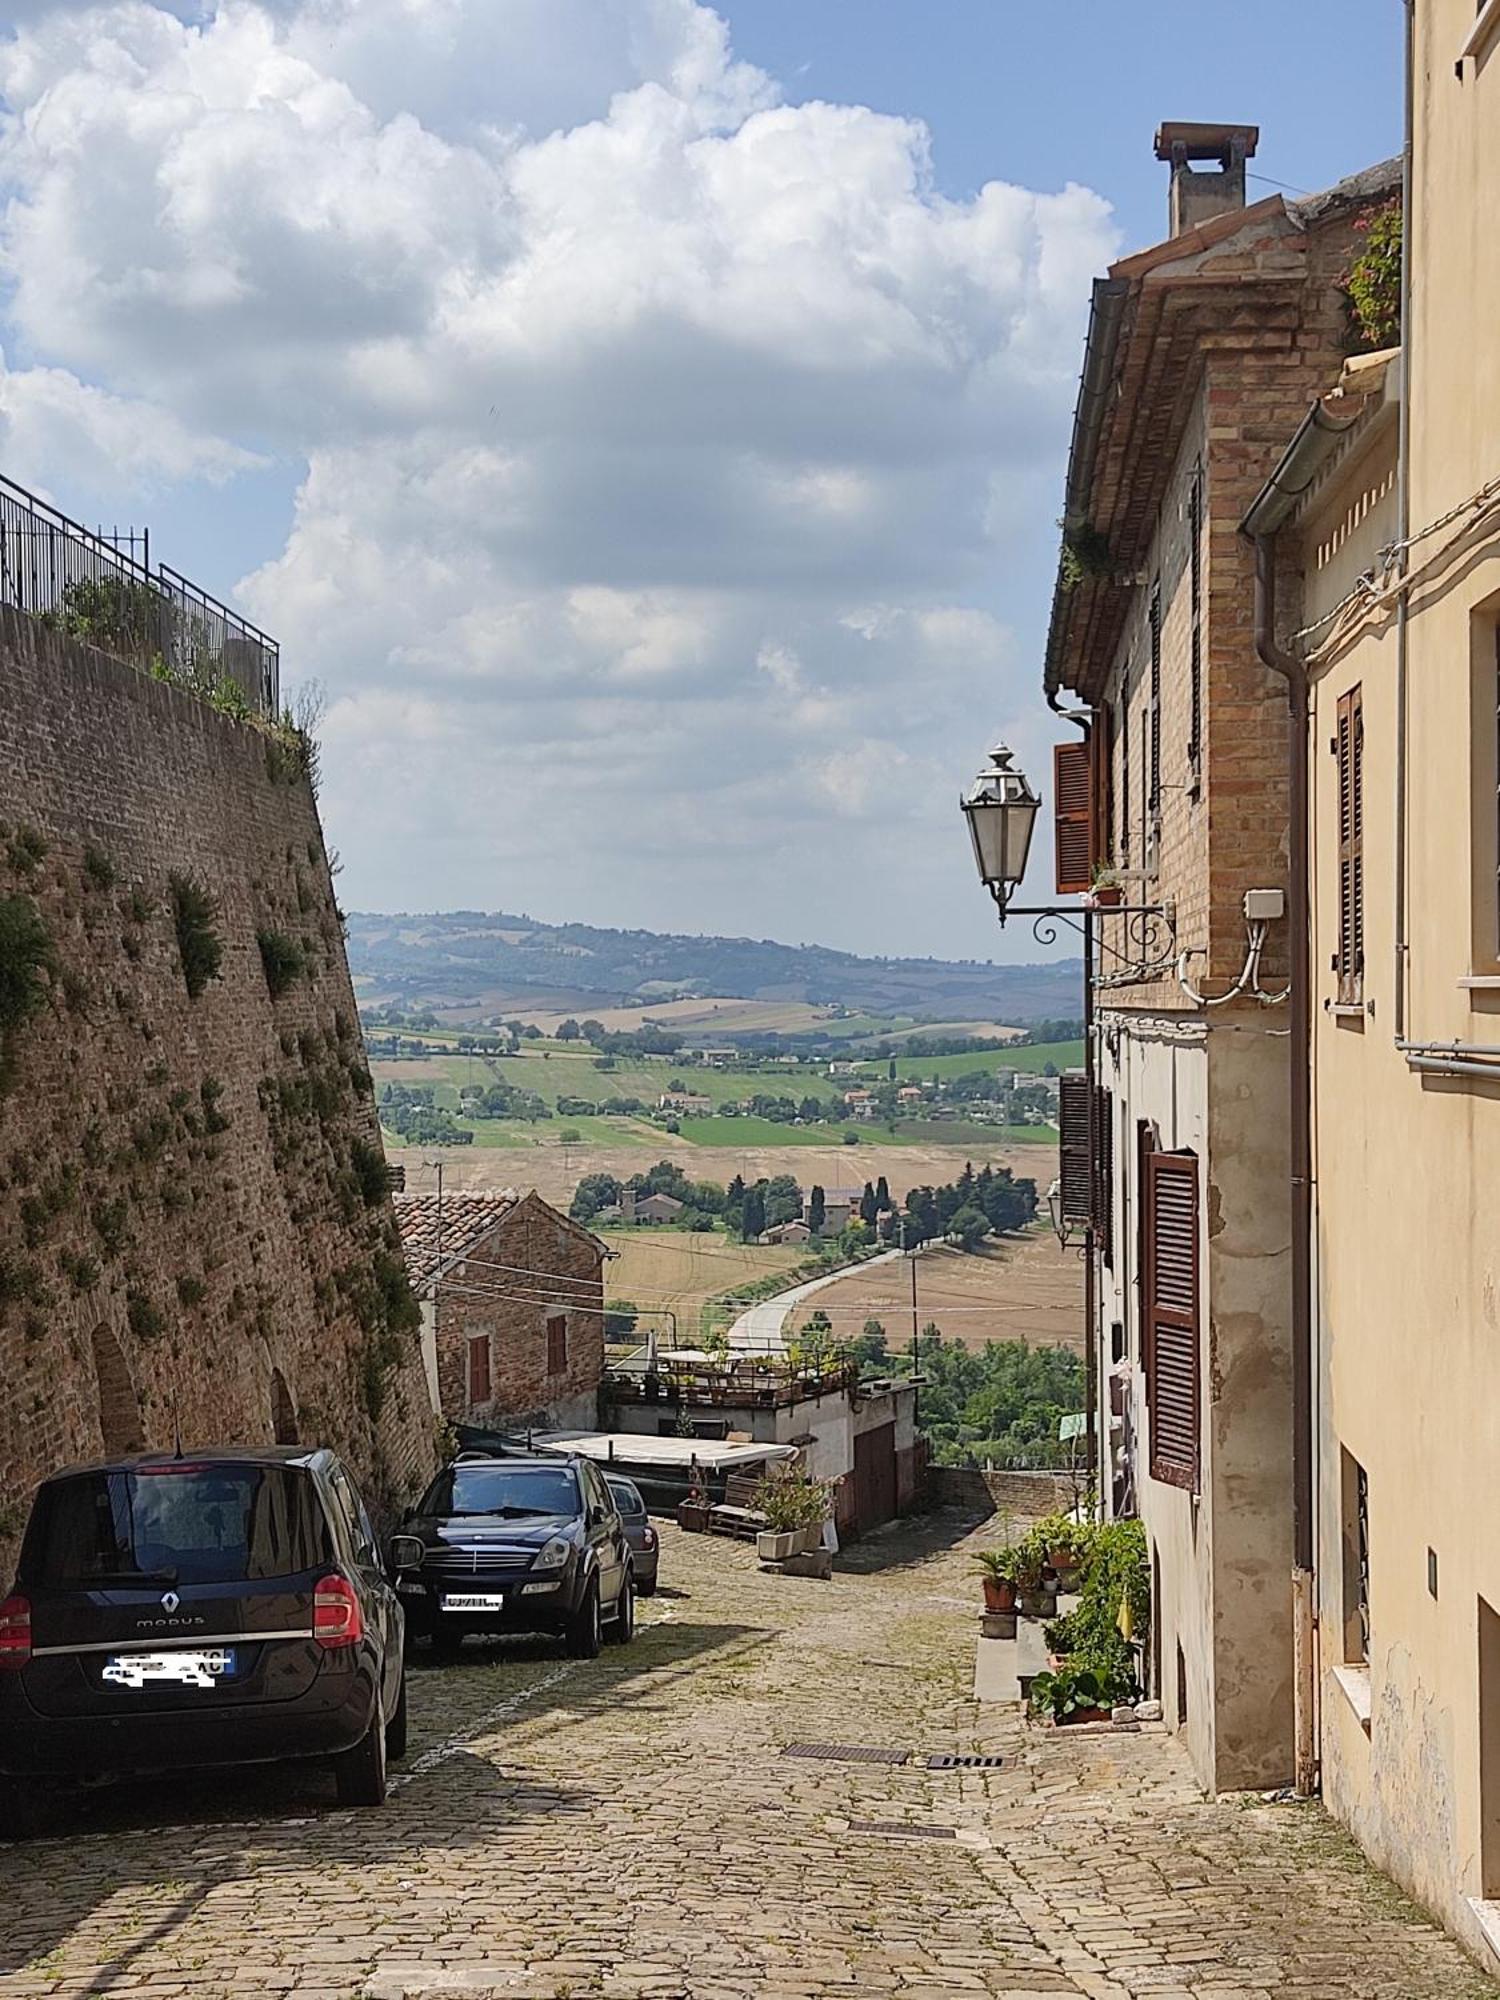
466	1220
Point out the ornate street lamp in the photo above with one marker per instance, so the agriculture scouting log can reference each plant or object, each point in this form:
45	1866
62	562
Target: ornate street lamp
1001	809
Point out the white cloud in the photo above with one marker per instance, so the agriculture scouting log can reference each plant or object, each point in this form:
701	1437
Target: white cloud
658	435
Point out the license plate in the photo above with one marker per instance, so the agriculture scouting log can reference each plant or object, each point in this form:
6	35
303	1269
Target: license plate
202	1669
475	1600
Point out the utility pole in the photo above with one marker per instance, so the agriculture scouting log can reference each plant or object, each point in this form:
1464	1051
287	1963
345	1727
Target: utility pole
916	1355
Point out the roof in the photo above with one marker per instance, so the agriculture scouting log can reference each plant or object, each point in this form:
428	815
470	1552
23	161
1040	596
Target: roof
619	1449
1150	319
465	1219
195	1455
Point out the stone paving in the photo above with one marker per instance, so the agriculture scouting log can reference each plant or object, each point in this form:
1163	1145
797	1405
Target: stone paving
628	1828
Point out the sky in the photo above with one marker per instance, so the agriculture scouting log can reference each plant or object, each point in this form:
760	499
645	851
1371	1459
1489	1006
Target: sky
646	424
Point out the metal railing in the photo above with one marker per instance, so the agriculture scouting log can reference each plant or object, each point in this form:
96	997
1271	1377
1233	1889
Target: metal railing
100	587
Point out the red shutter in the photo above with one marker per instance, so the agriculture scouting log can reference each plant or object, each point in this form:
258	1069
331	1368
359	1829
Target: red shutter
1073	813
1350	747
1171	1292
1075	1154
557	1343
479	1370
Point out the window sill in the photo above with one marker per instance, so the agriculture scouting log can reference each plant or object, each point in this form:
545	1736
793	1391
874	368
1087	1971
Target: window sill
1480	982
1355	1681
1347	1010
1487	1915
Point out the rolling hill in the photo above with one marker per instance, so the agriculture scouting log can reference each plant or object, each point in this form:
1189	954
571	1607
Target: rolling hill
470	962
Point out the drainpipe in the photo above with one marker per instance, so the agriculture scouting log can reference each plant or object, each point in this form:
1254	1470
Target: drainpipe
1403	529
1294	672
1087	720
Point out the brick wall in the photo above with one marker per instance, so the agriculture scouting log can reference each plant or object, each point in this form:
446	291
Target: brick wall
192	1234
534	1265
1022	1497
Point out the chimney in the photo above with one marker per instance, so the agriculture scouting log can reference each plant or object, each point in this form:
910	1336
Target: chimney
1199	196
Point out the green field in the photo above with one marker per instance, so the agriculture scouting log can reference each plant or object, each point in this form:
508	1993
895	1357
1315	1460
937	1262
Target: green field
1033	1061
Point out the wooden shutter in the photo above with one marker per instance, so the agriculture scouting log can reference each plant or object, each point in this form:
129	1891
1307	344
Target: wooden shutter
479	1370
557	1343
1102	781
1349	747
1171	1288
1195	656
1073	814
1076	1155
1153	790
1104	1173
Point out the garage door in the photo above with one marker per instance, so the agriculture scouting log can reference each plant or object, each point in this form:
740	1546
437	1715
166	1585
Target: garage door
875	1477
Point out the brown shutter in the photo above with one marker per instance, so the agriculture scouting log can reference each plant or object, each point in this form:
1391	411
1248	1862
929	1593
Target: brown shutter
1104	1173
1172	1316
1076	1159
1073	812
1349	745
1102	779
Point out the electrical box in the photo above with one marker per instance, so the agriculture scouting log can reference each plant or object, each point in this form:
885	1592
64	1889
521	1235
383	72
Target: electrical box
1264	906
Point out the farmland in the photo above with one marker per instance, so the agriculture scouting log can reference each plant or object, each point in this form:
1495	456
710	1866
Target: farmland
678	1270
1011	1288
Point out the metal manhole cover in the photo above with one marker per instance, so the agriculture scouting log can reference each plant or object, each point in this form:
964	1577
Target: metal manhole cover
847	1753
900	1828
964	1763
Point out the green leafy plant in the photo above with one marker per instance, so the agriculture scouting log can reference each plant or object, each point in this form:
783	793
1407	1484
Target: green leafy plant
27	963
112	612
194	915
790	1499
191	1291
1085	553
998	1564
371	1172
282	960
26	850
1065	1691
145	1322
98	869
1372	282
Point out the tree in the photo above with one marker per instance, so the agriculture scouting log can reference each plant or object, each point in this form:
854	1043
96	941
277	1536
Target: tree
593	1192
869	1207
883	1202
783	1201
569	1031
817	1209
591	1030
753	1213
870	1349
969	1226
531	1032
851	1138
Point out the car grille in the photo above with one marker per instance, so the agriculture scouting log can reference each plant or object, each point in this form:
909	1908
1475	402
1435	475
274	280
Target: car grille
487	1562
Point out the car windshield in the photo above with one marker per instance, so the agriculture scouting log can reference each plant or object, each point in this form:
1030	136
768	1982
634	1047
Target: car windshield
497	1488
625	1497
177	1523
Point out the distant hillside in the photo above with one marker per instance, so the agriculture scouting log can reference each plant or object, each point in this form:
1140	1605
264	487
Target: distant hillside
465	960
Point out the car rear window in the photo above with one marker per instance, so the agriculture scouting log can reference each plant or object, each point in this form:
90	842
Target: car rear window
496	1488
625	1497
177	1523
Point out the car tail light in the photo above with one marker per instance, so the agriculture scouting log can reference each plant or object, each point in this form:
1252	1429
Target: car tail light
336	1614
649	1538
15	1632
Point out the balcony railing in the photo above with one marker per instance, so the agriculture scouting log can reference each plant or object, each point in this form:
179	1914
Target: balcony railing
101	588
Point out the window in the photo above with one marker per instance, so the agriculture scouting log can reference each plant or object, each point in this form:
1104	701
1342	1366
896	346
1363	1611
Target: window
1349	748
1195	636
557	1343
1356	1552
479	1369
1075	1147
1153	790
1171	1313
1073	793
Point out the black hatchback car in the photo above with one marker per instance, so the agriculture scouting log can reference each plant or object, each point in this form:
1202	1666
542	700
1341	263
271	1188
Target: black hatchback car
517	1544
224	1607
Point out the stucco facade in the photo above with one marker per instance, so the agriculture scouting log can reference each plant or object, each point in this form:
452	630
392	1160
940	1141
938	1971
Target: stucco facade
1407	1144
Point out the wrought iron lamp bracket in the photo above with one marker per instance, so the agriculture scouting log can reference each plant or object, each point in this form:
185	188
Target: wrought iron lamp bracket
1143	948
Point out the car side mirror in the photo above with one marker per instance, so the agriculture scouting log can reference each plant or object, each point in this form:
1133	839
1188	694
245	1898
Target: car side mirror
406	1552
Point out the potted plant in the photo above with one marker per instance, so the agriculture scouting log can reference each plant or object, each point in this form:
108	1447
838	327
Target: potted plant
692	1513
1070	1694
997	1573
795	1507
1035	1598
1106	890
1066	1544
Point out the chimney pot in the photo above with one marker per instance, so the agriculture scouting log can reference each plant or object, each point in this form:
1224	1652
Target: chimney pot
1197	196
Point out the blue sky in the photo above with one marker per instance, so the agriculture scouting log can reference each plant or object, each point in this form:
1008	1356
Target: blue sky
647	425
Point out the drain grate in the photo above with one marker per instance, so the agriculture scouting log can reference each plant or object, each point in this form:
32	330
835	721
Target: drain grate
964	1763
847	1753
902	1830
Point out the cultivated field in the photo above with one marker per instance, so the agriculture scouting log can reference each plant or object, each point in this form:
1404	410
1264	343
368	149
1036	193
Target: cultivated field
673	1268
554	1170
1022	1288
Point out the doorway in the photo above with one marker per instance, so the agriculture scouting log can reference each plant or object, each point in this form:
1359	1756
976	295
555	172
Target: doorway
120	1426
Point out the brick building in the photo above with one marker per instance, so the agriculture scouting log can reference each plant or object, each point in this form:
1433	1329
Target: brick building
512	1297
1202	354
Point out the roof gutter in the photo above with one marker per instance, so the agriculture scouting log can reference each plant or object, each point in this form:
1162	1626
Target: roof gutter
1315	442
1106	312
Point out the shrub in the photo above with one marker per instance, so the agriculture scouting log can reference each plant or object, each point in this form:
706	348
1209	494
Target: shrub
145	1322
282	960
191	1291
26	850
789	1499
1373	281
25	956
371	1171
111	612
194	915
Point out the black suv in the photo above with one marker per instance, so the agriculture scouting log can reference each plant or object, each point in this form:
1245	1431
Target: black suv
224	1607
516	1544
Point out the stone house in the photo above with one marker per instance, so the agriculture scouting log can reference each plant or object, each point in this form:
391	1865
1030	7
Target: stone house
1402	663
512	1296
1202	353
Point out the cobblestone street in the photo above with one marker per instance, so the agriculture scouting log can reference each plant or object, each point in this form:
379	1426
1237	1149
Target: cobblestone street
629	1828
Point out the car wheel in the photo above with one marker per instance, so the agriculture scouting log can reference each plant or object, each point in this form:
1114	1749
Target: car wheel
27	1811
584	1633
395	1729
622	1627
646	1587
361	1771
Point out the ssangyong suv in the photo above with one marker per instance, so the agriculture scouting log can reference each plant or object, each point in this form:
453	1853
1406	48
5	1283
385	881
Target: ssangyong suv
517	1544
226	1607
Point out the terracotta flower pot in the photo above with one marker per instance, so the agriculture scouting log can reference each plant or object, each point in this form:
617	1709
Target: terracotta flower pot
999	1594
1083	1715
1108	896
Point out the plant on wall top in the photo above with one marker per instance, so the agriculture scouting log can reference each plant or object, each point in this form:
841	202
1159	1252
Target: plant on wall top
1373	281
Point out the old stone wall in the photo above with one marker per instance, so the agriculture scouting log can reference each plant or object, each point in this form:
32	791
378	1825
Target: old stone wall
195	1234
533	1267
1022	1497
